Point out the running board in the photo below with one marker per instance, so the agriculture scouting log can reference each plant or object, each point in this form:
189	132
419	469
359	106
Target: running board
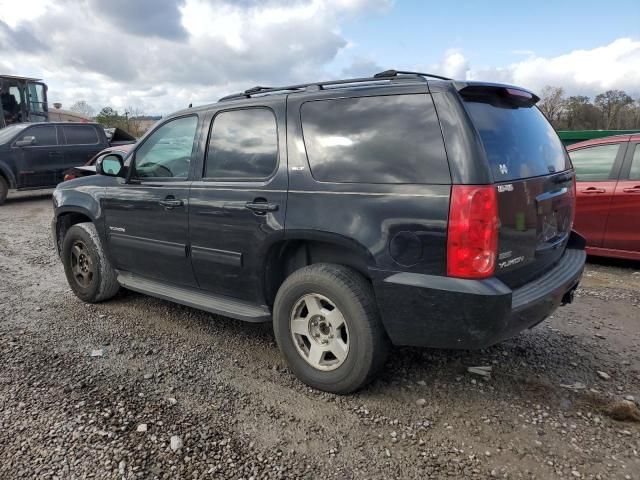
218	304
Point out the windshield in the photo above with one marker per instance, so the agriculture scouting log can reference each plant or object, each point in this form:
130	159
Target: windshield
519	141
7	134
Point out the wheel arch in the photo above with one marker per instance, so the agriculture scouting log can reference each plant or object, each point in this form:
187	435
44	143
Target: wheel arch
67	217
299	249
7	174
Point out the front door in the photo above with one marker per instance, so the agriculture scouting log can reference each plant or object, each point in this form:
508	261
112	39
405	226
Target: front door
237	209
146	218
623	227
38	162
596	173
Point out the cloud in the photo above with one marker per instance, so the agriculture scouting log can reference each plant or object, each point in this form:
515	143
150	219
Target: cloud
194	50
20	39
454	65
612	66
144	18
162	55
362	67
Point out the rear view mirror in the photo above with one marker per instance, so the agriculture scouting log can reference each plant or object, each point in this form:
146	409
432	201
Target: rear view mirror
26	141
110	165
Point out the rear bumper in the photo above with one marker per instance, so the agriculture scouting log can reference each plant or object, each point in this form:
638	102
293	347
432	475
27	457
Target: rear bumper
444	312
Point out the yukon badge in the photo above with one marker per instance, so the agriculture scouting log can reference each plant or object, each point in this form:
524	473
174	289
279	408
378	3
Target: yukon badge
117	229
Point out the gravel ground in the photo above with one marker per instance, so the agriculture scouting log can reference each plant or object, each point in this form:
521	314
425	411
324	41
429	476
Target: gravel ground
142	388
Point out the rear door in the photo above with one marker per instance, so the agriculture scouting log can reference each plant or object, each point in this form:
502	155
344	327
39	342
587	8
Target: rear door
237	209
39	162
533	177
81	142
597	168
623	226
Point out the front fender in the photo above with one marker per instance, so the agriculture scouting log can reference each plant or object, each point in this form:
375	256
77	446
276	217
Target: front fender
75	205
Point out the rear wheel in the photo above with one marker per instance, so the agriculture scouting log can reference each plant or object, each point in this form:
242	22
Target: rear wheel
327	325
88	271
4	189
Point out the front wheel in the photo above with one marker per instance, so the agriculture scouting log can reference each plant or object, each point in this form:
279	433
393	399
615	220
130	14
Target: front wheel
327	325
4	189
88	271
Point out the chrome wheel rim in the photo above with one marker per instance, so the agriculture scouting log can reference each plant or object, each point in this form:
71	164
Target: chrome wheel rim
319	331
81	264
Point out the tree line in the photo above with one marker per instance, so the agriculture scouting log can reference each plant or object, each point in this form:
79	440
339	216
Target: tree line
610	110
130	120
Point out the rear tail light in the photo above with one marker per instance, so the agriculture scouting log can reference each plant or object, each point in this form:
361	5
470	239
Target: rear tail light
472	241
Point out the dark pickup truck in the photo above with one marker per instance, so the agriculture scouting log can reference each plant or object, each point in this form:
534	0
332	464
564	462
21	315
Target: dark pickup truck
36	155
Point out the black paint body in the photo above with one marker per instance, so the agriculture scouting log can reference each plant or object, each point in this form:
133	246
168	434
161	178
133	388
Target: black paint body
395	234
43	166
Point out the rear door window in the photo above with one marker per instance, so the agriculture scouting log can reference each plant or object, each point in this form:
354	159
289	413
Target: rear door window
634	173
379	139
594	164
243	145
80	134
518	140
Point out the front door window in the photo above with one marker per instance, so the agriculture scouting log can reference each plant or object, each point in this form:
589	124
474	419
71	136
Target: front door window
167	152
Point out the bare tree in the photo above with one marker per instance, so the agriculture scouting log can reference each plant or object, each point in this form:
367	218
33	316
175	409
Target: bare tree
83	108
552	103
134	116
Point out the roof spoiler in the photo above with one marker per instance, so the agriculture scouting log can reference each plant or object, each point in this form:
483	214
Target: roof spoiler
518	95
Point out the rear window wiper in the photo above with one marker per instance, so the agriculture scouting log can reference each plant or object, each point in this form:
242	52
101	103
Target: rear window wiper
563	177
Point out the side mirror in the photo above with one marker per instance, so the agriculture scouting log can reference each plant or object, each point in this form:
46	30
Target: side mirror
26	141
111	165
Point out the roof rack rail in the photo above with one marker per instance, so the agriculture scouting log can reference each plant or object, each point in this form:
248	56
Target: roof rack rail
378	77
395	73
256	90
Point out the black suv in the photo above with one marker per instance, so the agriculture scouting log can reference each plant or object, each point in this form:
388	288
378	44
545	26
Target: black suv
403	209
36	155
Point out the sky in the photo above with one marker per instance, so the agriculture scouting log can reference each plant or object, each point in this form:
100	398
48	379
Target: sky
157	56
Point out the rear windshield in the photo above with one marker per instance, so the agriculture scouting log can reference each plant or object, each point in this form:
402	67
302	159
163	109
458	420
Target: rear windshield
519	141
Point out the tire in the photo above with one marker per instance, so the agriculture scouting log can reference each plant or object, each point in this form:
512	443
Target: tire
305	322
88	271
4	189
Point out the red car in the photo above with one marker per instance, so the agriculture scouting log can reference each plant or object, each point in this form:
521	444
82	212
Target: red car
89	168
608	195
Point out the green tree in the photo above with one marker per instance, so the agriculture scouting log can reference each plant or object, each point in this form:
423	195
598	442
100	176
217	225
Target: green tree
611	103
110	118
580	113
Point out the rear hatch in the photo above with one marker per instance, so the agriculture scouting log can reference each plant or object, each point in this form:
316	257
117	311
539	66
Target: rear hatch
533	176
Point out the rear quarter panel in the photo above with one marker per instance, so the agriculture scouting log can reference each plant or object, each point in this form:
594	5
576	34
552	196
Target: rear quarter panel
369	217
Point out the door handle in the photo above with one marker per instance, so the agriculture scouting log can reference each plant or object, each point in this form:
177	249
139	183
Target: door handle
170	203
261	207
635	189
55	154
593	190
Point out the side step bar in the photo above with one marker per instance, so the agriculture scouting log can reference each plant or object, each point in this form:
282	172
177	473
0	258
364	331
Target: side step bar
218	304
